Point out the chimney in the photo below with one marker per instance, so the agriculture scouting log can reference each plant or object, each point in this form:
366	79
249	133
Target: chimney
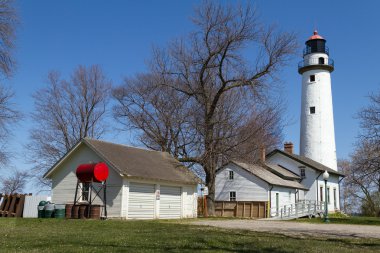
288	147
262	154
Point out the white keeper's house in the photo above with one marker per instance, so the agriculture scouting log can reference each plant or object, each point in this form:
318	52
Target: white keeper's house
285	178
142	184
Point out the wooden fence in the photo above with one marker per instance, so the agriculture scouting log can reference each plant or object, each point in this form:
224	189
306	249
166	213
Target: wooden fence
12	205
242	209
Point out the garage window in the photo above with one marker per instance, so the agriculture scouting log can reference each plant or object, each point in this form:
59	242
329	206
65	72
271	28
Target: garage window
85	191
232	196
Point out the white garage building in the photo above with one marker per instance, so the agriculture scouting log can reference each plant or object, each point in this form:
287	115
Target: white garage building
142	184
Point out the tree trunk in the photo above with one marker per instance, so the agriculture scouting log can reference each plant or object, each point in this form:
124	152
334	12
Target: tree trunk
210	183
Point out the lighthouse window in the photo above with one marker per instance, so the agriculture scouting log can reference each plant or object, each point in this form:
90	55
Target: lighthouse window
312	110
312	78
321	60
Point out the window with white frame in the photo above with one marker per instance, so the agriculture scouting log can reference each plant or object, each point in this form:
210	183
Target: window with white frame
232	196
85	191
231	175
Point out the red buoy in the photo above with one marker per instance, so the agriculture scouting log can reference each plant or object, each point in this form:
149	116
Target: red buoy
92	172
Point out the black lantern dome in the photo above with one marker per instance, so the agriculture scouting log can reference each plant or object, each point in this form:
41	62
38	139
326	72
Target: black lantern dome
316	44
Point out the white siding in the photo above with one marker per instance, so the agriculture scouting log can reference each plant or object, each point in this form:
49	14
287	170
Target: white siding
311	174
313	180
332	184
286	197
190	201
64	180
247	186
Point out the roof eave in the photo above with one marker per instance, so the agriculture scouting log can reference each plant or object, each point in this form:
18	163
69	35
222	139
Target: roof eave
164	180
304	163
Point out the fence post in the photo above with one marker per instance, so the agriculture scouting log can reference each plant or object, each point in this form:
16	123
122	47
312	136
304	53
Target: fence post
205	207
222	208
258	213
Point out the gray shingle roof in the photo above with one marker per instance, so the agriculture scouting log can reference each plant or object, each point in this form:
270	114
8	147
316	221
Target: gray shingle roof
281	171
141	163
268	176
306	161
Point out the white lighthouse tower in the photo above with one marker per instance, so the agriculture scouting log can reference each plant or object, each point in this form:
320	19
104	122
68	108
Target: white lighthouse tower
317	140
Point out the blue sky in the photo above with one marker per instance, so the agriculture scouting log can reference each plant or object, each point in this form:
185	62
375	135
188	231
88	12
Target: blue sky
119	35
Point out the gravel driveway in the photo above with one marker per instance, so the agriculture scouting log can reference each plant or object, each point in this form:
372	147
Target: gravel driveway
297	228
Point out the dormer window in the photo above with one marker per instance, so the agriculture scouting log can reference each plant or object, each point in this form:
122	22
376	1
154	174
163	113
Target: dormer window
302	173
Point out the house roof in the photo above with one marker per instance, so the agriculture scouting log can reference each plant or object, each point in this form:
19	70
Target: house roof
306	161
268	176
137	162
281	171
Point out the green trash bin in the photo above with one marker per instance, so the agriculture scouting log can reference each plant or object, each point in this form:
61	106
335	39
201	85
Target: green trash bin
49	210
59	211
41	209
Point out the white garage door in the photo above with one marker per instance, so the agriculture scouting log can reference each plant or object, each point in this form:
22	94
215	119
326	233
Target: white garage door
141	201
170	202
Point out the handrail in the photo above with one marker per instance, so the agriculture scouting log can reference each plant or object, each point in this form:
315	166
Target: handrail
315	61
298	209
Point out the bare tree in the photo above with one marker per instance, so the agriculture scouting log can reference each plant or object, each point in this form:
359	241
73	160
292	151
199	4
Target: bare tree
8	21
219	88
15	182
160	114
348	201
8	114
8	117
65	112
362	182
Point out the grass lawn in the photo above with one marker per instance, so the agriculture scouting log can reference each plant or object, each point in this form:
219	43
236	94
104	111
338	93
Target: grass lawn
52	235
357	220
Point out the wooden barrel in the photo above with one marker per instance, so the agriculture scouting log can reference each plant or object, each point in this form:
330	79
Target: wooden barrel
95	212
83	211
75	212
68	210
